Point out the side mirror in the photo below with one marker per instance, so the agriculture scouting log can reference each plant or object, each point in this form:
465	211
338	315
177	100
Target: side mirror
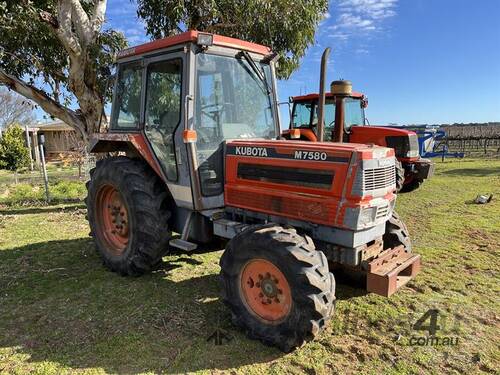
364	103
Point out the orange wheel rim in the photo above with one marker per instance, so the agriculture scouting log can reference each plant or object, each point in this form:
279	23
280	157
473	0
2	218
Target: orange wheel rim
112	219
265	290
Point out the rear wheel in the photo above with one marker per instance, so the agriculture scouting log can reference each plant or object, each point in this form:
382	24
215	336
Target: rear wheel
128	214
278	287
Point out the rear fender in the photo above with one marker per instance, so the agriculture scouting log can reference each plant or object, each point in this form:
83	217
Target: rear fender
134	145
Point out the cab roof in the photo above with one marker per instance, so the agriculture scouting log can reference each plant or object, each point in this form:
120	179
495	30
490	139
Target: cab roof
191	36
315	96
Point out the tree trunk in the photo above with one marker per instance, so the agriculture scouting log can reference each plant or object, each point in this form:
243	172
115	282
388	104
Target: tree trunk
78	33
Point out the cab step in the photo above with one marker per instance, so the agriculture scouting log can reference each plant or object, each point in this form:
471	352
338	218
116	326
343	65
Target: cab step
183	244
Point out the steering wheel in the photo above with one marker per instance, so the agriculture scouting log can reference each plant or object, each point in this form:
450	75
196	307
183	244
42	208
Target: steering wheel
215	113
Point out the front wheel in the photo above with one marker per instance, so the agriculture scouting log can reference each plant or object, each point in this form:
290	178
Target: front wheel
396	233
400	176
128	215
278	287
412	185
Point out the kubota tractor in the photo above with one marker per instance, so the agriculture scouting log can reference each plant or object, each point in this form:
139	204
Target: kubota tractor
195	120
411	169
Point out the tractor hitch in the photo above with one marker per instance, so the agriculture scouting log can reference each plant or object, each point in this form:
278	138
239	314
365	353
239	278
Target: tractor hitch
389	272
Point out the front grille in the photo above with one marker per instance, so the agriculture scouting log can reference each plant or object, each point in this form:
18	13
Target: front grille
379	178
382	212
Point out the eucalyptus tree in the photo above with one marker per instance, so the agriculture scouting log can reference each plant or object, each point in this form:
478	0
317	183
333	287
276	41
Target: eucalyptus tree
287	26
56	53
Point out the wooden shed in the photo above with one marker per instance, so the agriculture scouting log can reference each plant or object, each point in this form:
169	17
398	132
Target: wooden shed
60	139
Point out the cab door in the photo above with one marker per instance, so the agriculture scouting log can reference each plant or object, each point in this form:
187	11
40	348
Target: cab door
163	110
165	86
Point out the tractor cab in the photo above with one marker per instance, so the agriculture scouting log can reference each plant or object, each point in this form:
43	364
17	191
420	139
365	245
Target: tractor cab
305	114
193	88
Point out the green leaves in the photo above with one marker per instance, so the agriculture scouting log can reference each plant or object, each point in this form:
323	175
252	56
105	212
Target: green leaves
287	26
13	153
30	49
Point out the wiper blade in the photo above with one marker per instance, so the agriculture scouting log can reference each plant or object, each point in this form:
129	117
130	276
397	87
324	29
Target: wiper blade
256	70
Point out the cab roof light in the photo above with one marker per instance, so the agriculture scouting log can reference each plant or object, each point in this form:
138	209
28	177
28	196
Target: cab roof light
205	40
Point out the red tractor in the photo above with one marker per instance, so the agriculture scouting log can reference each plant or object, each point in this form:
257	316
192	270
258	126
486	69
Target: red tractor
411	169
195	121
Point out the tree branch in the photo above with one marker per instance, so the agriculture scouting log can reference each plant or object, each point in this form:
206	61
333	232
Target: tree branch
98	15
49	18
65	30
45	102
81	21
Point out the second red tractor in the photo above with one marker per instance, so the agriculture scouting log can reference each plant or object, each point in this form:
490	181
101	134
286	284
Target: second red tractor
411	169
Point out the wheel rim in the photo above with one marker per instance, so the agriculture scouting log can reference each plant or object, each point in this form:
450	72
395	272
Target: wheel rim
112	215
265	290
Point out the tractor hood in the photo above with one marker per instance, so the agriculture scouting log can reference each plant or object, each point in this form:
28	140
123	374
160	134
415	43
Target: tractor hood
385	130
326	183
404	142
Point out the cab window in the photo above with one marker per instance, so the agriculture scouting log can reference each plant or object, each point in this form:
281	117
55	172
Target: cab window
329	119
163	110
127	103
232	102
302	114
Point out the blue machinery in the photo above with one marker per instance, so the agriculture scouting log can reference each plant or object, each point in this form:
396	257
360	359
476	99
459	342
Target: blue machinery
433	142
429	142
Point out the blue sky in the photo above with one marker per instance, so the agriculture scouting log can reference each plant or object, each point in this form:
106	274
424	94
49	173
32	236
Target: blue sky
418	61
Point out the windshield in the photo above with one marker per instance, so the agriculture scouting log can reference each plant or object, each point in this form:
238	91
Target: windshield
231	102
354	112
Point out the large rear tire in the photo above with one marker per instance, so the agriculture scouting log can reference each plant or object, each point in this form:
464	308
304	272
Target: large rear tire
127	209
278	287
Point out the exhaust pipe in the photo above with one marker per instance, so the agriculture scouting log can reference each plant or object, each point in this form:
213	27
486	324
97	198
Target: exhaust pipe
322	95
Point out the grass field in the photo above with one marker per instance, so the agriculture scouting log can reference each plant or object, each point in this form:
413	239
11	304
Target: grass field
64	186
62	312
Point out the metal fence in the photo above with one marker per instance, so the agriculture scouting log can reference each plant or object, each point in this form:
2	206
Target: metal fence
55	172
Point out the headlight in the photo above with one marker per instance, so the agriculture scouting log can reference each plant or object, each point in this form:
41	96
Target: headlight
413	154
367	215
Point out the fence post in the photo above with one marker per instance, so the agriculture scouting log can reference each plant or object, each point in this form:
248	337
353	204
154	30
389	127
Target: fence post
28	145
41	141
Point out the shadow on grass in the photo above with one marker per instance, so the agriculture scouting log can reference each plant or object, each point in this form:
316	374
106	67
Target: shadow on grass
473	172
59	304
